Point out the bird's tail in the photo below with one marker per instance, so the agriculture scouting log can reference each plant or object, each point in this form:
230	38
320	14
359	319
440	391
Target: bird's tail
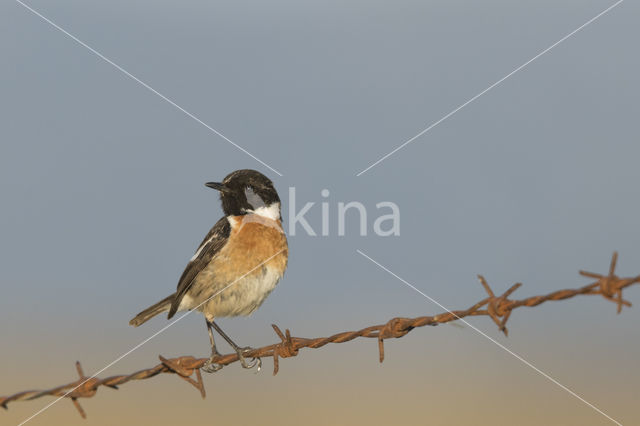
152	311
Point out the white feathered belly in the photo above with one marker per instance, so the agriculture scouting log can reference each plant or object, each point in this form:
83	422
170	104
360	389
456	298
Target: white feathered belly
242	297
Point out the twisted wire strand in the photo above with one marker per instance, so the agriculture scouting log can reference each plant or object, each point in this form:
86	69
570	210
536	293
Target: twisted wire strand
498	308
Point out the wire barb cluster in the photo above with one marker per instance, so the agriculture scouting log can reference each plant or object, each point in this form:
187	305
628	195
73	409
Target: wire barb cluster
499	308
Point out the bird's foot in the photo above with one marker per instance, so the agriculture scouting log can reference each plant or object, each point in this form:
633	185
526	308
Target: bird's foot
243	361
210	366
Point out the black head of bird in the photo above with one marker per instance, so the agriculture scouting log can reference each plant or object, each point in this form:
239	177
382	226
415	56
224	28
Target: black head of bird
247	191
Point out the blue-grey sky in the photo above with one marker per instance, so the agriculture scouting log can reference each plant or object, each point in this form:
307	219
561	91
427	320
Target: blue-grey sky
103	203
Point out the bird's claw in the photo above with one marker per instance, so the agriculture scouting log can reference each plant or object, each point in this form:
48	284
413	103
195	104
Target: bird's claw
211	367
243	361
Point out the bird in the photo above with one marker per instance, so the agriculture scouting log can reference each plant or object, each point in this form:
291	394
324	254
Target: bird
238	263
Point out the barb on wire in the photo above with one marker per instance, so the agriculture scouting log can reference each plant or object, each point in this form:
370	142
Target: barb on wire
498	308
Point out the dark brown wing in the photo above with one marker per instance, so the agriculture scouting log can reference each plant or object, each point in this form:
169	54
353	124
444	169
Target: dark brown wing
212	243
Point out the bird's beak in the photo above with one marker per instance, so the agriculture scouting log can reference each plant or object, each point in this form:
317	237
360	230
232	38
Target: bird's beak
217	186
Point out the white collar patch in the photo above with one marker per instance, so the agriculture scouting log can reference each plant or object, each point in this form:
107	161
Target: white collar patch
270	212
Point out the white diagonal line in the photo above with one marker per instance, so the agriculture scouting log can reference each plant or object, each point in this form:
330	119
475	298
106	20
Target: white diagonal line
142	83
493	340
146	340
490	87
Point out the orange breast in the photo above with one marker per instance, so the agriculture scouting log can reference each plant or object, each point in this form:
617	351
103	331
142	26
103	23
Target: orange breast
252	241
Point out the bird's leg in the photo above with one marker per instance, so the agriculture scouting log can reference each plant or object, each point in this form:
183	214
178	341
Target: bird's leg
210	366
240	351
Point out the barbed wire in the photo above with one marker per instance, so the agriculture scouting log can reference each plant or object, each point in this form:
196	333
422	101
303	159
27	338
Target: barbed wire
499	308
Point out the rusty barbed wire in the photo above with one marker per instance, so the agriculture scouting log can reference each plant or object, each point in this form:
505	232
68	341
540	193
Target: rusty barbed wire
499	308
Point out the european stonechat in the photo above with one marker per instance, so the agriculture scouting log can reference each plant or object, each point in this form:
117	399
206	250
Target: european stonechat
238	263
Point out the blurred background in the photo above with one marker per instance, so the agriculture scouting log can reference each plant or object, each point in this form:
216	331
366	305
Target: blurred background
102	203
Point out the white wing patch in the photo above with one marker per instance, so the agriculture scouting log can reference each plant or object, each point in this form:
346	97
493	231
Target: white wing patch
195	256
